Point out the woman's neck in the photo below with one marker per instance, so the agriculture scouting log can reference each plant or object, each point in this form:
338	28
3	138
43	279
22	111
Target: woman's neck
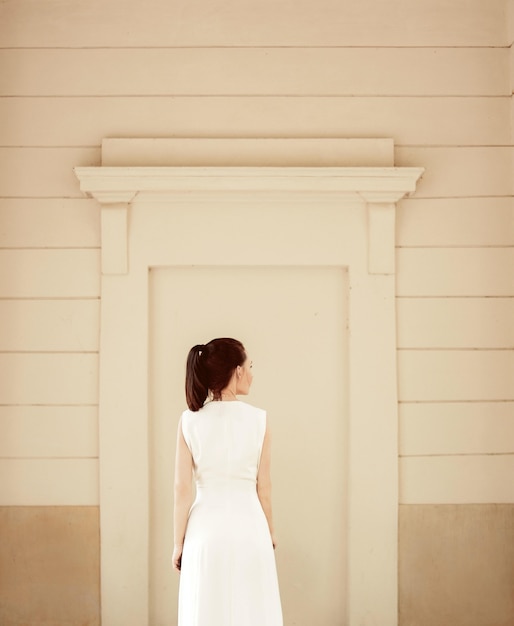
228	394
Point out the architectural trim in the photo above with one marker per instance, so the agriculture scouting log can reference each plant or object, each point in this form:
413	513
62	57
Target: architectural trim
379	187
140	207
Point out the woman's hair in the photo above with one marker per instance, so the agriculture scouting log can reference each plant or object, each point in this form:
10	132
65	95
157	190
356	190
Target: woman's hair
209	368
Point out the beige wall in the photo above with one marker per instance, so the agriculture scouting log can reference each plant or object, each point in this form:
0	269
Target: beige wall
435	76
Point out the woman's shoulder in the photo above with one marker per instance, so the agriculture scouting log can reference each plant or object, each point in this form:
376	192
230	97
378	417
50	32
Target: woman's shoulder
244	405
188	416
251	409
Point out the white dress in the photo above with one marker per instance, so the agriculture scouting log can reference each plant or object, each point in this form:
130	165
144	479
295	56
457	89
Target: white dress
228	575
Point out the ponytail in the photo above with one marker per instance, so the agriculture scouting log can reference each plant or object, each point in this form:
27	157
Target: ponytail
209	368
196	388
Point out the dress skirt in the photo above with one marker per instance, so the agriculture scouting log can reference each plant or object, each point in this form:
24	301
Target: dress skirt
228	575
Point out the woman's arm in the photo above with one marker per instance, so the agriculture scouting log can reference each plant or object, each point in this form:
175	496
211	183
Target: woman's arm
264	482
183	495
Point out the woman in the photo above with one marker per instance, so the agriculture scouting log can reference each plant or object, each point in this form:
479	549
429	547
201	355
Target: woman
224	542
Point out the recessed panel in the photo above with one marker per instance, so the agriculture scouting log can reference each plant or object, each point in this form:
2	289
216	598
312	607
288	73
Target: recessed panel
293	323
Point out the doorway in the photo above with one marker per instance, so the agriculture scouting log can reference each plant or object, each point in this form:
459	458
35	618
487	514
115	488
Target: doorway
293	322
318	248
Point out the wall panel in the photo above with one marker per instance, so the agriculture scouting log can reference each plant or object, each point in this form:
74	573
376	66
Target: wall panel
432	121
48	378
455	322
48	432
49	482
455	375
255	72
467	222
243	22
50	223
64	325
43	172
452	272
58	273
446	428
460	172
467	479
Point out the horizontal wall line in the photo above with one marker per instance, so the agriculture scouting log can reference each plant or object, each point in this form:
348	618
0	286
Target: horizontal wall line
284	138
446	349
47	458
85	199
474	502
254	47
454	247
50	352
16	248
453	297
258	95
477	197
414	198
456	454
77	197
41	197
57	299
82	197
464	401
398	247
63	147
52	404
54	506
457	401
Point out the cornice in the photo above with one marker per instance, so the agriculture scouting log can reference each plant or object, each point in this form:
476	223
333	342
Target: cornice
380	188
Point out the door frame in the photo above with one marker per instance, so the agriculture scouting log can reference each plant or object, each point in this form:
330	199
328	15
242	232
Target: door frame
368	196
